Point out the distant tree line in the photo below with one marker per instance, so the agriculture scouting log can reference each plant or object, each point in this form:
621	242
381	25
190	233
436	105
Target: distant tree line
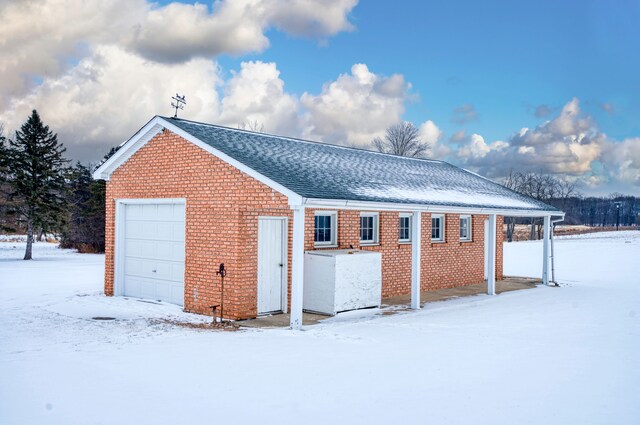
590	211
602	211
41	193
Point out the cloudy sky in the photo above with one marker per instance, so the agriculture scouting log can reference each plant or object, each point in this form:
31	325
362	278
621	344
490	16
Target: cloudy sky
546	86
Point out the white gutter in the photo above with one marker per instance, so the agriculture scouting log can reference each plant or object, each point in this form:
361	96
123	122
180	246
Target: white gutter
390	206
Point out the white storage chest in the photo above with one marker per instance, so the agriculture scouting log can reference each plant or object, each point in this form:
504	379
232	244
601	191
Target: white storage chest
341	280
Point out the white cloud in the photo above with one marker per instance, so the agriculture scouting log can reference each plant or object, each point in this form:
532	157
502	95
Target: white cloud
44	39
570	145
356	107
256	93
108	96
38	39
458	136
567	144
477	148
623	160
431	133
310	18
526	150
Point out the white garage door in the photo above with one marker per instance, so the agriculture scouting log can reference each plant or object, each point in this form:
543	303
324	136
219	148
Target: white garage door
154	251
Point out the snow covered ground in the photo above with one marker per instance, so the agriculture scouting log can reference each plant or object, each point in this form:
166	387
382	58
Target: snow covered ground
568	355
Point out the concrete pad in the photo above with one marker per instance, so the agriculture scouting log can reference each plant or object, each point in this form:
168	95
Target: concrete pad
281	320
505	285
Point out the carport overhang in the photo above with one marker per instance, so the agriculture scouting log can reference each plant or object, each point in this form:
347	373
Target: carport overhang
297	283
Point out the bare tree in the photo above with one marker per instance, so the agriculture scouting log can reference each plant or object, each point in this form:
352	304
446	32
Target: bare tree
402	139
543	187
255	126
510	182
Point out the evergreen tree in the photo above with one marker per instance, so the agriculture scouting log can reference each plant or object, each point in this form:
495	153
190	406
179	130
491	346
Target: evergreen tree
4	175
36	184
86	215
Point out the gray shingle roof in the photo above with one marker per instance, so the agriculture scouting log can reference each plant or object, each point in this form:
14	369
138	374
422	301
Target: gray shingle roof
324	171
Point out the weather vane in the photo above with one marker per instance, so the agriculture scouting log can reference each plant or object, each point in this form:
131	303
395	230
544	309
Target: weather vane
178	104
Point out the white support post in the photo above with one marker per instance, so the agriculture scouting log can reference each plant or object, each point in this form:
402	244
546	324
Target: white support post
416	245
297	267
491	251
551	255
545	250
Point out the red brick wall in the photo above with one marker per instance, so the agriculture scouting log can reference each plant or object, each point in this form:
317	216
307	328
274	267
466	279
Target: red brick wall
222	209
444	264
222	206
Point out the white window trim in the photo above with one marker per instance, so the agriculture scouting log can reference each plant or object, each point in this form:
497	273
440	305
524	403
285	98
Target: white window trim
334	229
469	237
376	226
410	217
443	228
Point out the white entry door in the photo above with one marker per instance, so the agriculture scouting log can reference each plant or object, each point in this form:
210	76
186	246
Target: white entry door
154	251
272	251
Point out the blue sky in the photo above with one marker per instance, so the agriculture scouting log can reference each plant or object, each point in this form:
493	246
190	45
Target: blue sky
545	86
504	57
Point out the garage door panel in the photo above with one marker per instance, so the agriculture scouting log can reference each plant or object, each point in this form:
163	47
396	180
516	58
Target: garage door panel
139	248
164	251
134	211
179	213
151	269
169	231
149	211
155	230
133	266
178	251
163	290
139	229
177	272
163	270
170	251
154	252
165	211
177	232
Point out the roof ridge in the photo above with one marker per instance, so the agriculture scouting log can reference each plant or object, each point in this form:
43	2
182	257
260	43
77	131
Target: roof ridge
295	139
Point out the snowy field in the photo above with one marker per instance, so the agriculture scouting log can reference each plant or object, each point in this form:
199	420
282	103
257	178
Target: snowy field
568	355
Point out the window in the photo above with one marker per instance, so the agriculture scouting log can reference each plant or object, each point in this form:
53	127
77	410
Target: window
437	227
404	228
368	228
325	228
465	227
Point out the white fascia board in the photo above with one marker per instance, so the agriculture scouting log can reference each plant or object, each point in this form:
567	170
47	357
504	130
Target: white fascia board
156	125
389	206
131	146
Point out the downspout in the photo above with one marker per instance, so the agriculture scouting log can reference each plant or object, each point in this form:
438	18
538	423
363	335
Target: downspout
553	268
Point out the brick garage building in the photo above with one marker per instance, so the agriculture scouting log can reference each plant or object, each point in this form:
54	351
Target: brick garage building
184	197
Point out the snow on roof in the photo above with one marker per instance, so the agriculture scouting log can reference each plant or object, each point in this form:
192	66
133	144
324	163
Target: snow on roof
324	171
